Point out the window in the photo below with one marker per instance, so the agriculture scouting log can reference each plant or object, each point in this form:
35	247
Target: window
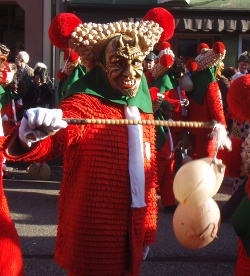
185	45
244	44
12	29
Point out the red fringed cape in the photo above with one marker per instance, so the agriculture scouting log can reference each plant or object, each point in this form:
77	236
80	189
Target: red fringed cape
11	261
211	109
98	232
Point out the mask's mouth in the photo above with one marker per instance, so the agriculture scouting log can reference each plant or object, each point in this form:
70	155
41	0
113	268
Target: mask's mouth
128	83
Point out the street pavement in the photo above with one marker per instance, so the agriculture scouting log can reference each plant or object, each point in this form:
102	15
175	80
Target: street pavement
33	206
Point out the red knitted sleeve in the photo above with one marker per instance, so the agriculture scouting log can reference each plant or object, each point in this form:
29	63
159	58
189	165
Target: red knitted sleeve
52	146
215	104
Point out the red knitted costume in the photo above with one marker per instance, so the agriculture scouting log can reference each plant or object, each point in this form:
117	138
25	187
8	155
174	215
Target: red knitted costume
98	232
239	100
165	174
11	262
210	109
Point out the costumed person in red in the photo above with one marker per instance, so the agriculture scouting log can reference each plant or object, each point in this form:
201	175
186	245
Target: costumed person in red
70	72
107	204
240	128
237	164
166	97
11	262
205	100
7	102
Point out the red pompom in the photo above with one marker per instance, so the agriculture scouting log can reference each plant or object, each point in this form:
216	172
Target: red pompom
153	93
165	19
238	97
149	77
61	76
218	47
73	55
163	45
168	97
191	65
61	27
166	61
232	159
202	46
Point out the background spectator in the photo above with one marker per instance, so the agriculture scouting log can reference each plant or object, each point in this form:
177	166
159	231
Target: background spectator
40	93
148	62
24	72
243	63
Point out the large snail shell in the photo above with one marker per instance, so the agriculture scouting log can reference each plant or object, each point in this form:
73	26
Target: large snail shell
196	226
45	171
33	169
196	181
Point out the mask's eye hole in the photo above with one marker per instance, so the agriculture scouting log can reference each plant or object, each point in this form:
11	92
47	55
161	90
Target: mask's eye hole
120	63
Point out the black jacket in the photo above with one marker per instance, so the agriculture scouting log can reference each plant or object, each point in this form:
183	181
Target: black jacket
39	96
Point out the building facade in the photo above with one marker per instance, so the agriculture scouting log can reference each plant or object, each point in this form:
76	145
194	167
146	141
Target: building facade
196	21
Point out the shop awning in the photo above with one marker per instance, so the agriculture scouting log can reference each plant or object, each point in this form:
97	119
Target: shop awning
196	4
209	23
220	15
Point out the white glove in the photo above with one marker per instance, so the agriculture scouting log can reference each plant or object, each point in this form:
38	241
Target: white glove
40	123
145	252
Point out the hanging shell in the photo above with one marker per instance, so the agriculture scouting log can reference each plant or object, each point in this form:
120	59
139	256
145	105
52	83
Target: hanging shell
186	83
196	226
198	180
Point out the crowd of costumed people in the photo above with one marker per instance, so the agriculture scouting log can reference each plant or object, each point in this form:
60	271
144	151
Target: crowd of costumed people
157	129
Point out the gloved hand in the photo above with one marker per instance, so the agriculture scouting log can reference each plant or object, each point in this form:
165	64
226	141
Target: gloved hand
40	123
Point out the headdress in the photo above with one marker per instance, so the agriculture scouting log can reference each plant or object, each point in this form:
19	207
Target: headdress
71	61
207	58
88	39
4	51
166	60
5	71
207	66
166	56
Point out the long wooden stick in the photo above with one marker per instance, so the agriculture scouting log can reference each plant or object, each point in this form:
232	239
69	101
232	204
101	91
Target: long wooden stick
184	124
189	124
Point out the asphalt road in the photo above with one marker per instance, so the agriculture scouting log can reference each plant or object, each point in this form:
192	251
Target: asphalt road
33	207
